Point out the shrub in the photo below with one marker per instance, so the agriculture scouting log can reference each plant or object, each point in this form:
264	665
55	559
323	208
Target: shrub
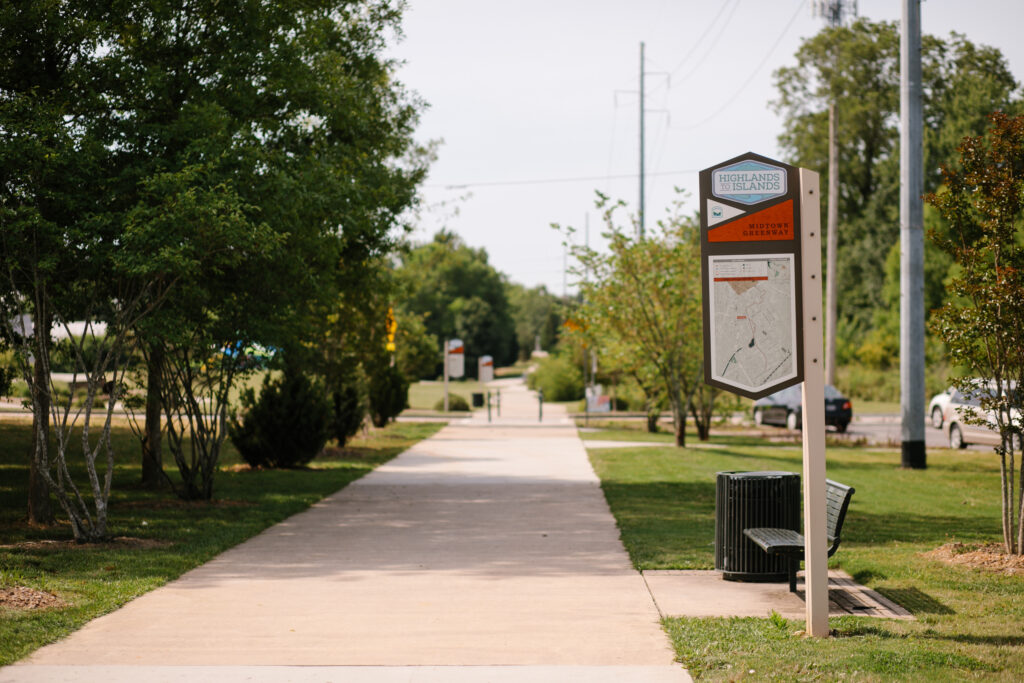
559	377
348	413
455	403
389	395
287	426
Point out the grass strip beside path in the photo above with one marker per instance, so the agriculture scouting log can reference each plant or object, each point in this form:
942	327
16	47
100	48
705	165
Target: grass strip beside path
968	621
167	536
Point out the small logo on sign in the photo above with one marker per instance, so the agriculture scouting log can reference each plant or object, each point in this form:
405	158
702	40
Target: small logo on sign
748	182
716	212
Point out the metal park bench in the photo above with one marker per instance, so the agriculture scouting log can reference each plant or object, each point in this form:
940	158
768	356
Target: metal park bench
791	543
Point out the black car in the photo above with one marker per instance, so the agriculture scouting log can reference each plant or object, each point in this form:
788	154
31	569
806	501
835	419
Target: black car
785	408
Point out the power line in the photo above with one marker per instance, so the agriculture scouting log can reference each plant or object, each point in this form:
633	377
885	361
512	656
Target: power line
753	74
711	47
551	181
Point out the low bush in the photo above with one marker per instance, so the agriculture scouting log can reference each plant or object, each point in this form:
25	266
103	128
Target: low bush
389	395
559	379
348	412
455	403
287	426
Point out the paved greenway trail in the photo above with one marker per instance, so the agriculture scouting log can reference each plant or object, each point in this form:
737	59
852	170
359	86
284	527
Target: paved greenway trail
485	553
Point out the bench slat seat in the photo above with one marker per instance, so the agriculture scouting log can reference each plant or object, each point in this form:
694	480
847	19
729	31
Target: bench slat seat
791	543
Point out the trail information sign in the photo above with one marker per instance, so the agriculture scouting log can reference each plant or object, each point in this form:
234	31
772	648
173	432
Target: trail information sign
456	358
750	267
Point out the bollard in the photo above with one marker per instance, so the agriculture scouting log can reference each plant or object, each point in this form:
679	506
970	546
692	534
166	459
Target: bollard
540	405
499	402
488	406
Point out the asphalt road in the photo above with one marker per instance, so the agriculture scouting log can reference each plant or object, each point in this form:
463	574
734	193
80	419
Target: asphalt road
884	430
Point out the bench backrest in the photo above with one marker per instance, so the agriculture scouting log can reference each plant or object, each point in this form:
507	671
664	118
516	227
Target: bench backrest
837	500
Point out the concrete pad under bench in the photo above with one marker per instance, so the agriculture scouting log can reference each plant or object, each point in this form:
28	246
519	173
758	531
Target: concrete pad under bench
706	594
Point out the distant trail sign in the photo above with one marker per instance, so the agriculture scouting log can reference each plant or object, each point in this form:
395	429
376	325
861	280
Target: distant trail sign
750	267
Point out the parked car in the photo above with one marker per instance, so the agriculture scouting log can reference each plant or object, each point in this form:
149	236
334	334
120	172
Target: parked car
785	408
937	406
961	433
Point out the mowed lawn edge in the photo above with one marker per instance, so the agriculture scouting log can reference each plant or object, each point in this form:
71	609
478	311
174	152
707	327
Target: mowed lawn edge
160	536
967	621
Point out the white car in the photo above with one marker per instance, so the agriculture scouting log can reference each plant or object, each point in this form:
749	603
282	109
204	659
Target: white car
962	432
937	406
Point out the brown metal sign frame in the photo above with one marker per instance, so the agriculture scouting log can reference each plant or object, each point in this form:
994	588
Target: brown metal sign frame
750	210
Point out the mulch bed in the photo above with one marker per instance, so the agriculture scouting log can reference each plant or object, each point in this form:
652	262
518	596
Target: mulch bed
24	598
988	557
179	504
119	542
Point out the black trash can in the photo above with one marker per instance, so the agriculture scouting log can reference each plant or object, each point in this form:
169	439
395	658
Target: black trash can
478	400
745	500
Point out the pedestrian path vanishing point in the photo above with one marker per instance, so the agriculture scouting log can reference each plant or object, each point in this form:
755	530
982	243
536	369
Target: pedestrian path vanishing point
486	552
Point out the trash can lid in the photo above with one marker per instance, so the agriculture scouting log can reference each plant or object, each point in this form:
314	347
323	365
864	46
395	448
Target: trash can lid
759	475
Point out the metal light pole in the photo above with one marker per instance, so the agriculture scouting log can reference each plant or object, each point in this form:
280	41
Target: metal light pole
444	356
912	405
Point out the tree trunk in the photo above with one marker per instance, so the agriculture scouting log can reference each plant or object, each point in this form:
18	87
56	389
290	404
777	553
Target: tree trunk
652	420
152	441
40	511
678	417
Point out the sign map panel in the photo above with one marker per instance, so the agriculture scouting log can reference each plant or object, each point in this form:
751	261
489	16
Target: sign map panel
753	306
750	263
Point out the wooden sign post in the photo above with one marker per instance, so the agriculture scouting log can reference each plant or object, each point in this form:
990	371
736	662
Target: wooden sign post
761	279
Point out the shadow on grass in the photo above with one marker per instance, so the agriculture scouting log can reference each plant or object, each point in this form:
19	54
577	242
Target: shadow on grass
996	641
915	600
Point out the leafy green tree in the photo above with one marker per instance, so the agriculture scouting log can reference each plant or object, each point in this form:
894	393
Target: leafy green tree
460	295
67	254
537	317
559	376
289	112
646	295
857	66
983	202
45	82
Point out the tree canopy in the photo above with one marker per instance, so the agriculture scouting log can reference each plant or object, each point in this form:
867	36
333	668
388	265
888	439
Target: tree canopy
460	295
858	67
208	173
983	200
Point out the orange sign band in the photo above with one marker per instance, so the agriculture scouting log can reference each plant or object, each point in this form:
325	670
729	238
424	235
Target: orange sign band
773	223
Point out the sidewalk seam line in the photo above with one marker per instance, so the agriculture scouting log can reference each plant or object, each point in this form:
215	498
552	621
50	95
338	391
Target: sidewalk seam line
661	615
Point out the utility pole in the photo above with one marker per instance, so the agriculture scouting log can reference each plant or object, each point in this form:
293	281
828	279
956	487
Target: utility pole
640	213
911	240
833	11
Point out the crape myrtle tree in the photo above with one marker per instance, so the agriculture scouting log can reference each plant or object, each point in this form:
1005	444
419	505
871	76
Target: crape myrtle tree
46	74
288	113
646	296
983	203
65	254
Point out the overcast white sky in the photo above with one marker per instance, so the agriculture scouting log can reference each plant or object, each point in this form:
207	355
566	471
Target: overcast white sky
536	103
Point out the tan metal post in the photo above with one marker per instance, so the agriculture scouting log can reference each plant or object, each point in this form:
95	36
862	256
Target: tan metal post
816	548
446	349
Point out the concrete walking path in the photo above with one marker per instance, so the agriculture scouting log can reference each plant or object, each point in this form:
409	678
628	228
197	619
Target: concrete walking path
485	553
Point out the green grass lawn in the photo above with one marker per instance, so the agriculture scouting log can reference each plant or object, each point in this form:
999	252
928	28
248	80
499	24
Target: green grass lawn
426	394
875	407
174	536
968	622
